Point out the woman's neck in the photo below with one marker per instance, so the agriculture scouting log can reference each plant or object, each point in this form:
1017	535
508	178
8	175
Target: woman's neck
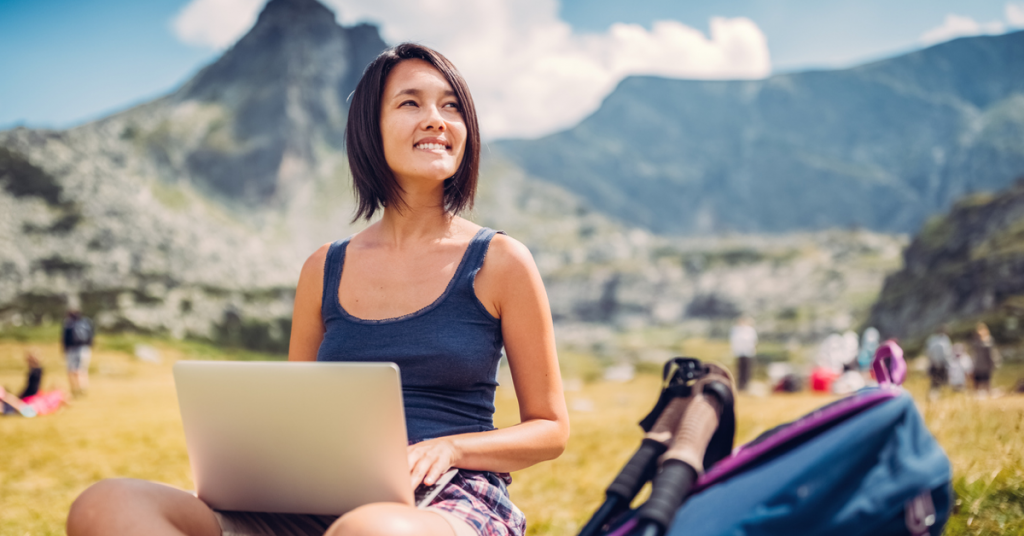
419	217
415	223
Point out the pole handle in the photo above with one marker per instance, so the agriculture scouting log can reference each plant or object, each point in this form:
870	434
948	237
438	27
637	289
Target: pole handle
640	468
671	486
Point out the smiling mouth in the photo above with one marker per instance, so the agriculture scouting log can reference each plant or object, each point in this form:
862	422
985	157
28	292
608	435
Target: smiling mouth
432	146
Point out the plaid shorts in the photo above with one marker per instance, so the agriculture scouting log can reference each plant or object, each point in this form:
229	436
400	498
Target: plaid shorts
481	500
478	498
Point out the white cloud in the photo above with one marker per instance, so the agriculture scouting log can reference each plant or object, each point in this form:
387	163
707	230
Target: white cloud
960	26
1015	14
215	23
529	72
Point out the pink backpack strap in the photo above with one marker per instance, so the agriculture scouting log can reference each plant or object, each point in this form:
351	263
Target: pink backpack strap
889	365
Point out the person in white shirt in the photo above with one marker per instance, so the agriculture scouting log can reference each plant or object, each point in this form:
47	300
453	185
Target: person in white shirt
939	349
743	340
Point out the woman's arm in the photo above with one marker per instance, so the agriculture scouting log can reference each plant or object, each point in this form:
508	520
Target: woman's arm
509	285
307	325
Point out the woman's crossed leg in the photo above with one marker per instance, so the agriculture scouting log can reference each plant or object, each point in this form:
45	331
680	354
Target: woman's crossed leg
130	506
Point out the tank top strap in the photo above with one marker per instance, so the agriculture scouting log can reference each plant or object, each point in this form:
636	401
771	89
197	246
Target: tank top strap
475	255
332	278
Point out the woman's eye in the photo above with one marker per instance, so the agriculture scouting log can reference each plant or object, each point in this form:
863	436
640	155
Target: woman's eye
408	103
452	105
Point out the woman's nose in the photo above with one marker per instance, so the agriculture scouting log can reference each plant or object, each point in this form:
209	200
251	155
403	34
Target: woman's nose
434	120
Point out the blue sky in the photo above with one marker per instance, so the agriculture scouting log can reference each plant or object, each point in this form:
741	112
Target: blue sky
802	33
63	62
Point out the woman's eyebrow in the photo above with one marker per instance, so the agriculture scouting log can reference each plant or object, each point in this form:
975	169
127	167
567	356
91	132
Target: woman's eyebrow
415	92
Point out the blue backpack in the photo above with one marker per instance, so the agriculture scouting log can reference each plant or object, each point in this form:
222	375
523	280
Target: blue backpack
863	465
81	332
874	470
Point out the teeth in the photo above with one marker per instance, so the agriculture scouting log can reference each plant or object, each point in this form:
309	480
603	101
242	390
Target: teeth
431	146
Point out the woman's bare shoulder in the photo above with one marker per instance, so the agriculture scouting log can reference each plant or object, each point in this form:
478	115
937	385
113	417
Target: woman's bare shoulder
508	255
315	262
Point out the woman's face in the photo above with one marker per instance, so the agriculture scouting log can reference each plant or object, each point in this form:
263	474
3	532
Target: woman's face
421	124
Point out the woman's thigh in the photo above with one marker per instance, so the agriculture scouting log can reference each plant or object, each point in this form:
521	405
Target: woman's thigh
130	506
392	519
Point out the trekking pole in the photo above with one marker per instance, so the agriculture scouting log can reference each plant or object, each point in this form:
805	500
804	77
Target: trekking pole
701	438
678	375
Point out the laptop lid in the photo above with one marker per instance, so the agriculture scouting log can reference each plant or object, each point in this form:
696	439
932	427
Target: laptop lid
294	437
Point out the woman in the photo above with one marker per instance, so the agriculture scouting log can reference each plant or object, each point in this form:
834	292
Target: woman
986	359
422	287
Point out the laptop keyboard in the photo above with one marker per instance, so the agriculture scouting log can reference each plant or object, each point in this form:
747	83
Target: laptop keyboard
425	494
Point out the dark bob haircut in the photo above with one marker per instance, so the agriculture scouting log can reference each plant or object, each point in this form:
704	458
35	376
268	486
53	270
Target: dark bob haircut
374	183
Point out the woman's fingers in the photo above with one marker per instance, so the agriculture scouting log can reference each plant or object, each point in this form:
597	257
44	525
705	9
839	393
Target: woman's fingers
435	472
427	462
419	470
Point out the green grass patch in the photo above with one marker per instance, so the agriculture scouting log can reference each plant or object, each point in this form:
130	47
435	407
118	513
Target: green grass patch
129	426
125	342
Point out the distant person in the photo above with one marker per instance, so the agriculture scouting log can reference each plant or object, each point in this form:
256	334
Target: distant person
35	375
832	354
78	337
32	381
850	349
939	349
868	345
743	341
32	401
959	367
986	359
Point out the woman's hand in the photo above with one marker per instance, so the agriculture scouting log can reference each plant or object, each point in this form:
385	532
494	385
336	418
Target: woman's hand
430	459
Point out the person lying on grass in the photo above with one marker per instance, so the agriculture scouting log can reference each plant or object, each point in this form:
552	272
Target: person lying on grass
422	287
32	402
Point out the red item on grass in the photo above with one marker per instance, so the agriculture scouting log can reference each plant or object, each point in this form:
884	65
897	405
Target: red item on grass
45	403
821	380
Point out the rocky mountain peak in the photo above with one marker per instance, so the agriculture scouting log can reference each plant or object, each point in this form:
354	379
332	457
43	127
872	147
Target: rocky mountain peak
255	117
286	9
288	37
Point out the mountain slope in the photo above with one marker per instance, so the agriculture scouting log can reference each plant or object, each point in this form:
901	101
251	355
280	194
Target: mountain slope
880	146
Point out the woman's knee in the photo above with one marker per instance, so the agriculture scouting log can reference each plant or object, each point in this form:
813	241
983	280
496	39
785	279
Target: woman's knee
115	505
387	519
97	504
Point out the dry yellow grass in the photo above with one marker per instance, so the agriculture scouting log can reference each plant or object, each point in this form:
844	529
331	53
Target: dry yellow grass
129	426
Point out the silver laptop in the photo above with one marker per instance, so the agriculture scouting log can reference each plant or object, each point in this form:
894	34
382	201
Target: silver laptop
287	437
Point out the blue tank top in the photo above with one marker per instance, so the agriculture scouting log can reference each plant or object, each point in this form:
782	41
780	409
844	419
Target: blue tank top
447	352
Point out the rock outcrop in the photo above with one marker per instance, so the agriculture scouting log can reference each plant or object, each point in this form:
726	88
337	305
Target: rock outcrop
963	267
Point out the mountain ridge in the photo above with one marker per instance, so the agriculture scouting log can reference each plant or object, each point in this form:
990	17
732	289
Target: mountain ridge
868	146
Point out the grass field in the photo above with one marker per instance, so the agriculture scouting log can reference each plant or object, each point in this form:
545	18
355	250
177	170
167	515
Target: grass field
129	426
